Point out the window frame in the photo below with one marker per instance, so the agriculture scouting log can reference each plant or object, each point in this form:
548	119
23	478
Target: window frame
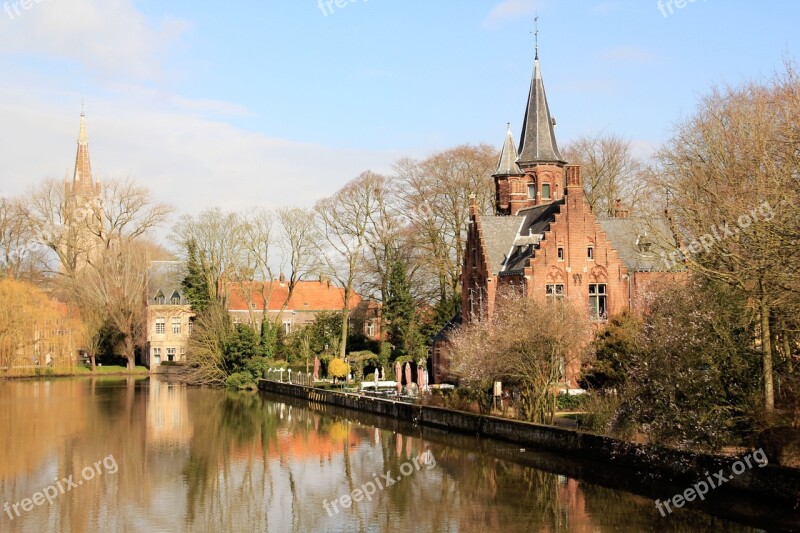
598	301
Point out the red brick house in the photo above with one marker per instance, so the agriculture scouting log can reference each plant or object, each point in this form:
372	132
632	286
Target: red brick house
546	242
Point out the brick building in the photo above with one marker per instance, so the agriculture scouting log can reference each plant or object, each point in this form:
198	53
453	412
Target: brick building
546	242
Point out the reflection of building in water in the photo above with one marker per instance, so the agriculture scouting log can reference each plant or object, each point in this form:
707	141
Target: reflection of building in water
167	414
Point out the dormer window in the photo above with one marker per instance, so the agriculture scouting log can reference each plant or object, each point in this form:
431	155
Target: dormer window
176	298
159	299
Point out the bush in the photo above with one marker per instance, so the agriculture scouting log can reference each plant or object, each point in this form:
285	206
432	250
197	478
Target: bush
570	402
240	381
337	368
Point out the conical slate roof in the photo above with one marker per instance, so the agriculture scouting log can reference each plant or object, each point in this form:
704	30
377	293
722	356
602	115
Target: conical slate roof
538	141
507	165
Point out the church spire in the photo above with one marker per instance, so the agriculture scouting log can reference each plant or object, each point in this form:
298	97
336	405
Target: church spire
83	169
507	165
537	143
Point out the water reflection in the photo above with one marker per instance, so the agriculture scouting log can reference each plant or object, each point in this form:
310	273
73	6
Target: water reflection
208	460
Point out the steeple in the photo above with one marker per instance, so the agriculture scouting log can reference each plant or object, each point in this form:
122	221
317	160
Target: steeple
507	165
538	140
83	169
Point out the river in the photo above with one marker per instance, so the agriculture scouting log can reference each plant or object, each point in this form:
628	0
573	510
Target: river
119	454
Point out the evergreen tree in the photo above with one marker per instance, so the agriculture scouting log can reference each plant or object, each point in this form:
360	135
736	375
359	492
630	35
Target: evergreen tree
399	310
195	283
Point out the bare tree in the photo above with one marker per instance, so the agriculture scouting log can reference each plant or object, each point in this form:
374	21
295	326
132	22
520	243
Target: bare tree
610	171
435	195
528	343
733	170
344	220
298	242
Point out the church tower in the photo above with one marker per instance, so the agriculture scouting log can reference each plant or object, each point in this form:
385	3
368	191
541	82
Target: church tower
537	175
82	214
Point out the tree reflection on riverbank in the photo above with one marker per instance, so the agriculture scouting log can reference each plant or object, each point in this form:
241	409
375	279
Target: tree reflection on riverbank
211	460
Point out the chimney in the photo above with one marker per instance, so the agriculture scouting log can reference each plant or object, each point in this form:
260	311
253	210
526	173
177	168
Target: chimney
282	278
574	177
618	211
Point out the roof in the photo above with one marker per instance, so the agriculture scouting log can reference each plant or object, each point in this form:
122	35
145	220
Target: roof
537	143
83	169
642	244
507	164
167	277
451	324
307	296
499	233
536	221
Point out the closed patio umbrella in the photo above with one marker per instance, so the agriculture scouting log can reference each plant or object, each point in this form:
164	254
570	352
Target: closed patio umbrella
408	375
398	371
316	369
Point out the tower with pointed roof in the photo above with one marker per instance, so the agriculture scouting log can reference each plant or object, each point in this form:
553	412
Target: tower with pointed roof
537	174
82	213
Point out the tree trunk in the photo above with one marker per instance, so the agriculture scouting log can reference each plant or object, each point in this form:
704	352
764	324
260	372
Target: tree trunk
766	355
92	359
787	347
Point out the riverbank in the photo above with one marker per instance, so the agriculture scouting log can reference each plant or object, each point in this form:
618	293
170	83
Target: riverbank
676	467
79	371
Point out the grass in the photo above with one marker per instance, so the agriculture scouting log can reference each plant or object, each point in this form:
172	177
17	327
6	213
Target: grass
111	369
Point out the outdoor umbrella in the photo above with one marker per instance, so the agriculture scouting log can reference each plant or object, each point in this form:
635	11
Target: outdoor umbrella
408	375
425	379
420	378
316	368
398	371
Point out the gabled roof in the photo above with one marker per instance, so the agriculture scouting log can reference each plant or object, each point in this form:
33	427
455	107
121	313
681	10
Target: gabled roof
165	277
499	233
641	244
507	164
538	141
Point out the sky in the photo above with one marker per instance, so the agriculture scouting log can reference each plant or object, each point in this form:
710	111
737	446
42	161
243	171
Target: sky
281	102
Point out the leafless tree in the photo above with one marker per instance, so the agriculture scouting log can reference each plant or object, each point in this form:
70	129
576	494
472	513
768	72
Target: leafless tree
610	171
344	220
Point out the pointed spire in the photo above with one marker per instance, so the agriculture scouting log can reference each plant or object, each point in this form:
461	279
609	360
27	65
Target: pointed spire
507	165
537	143
83	169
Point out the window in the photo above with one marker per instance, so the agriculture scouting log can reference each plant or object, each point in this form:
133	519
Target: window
190	326
176	298
287	328
170	354
555	291
545	191
597	301
159	299
156	353
370	329
590	253
560	253
176	326
531	190
161	326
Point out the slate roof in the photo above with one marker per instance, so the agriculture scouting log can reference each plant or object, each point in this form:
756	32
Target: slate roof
499	233
536	221
640	243
537	143
165	277
507	164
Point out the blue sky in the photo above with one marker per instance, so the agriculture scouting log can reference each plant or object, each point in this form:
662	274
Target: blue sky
276	102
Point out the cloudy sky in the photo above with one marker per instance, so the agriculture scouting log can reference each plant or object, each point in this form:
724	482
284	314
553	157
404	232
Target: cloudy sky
280	102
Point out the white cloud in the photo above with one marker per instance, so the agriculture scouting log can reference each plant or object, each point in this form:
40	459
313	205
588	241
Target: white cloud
510	9
109	38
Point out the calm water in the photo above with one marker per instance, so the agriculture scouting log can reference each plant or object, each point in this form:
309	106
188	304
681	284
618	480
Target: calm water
152	456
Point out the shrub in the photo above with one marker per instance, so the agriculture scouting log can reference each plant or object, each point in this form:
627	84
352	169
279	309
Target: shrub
571	402
337	368
240	381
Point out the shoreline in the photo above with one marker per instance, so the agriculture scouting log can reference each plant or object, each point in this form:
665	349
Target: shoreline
647	461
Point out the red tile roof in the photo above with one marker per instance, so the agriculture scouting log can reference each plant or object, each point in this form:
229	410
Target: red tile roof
307	296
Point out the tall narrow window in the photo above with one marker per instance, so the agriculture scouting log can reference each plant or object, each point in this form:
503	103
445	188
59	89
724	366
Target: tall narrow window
531	190
590	253
545	191
597	301
161	326
176	325
560	253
